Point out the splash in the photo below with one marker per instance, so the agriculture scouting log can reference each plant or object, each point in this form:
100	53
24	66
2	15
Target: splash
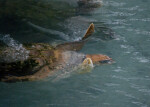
76	27
14	51
74	63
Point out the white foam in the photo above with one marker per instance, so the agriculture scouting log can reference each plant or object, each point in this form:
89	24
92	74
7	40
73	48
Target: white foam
142	59
14	52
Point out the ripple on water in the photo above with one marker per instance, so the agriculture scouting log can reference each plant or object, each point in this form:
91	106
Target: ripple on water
97	89
118	27
115	13
121	22
138	31
112	84
125	94
114	4
136	8
133	99
140	88
107	104
142	59
120	77
139	104
119	69
143	19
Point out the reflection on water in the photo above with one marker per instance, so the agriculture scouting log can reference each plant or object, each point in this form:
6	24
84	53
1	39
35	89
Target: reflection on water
125	83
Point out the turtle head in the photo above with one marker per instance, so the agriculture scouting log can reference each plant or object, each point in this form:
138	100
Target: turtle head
99	58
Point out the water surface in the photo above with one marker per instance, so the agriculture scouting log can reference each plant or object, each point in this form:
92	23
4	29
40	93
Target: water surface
122	32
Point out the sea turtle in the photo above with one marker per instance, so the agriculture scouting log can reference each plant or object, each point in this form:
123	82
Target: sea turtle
44	60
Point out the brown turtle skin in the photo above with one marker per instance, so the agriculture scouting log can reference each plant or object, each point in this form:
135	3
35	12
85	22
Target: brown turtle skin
44	60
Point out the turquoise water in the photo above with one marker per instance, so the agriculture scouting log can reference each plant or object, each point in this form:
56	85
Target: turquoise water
122	32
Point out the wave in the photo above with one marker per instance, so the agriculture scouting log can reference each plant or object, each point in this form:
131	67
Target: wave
50	31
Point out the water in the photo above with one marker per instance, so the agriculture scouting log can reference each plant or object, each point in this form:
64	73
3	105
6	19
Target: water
122	84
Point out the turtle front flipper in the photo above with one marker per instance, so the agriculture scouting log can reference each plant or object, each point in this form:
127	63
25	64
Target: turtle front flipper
89	31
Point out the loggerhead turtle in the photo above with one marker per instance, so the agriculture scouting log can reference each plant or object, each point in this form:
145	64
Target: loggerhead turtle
44	60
